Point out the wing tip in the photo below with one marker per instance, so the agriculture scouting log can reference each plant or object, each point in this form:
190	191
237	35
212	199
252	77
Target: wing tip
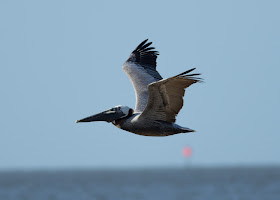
144	54
191	76
145	47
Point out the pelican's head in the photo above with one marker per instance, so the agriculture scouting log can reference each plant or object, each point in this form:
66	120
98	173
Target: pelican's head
110	115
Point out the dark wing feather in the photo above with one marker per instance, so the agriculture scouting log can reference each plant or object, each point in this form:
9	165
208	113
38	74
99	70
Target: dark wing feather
145	56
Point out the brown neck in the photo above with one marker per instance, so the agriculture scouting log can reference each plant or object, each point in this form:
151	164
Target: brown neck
118	121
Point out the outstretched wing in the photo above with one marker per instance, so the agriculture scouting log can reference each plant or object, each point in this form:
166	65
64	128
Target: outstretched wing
141	70
166	97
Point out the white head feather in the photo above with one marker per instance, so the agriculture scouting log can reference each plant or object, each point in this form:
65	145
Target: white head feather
124	109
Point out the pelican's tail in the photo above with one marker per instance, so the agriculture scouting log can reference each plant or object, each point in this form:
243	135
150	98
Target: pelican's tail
182	129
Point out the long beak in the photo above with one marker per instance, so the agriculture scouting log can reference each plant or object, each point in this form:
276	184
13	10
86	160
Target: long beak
107	116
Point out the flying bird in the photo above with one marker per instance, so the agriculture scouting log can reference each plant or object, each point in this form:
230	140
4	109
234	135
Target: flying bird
158	100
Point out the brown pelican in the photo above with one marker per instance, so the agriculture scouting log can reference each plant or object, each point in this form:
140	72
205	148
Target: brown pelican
158	100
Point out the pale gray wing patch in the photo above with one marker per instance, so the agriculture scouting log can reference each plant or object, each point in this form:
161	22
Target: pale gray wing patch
140	81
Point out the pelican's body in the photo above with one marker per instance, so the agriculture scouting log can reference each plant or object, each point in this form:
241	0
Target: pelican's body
158	100
148	127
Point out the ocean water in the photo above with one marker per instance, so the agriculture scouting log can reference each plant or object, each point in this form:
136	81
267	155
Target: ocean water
149	184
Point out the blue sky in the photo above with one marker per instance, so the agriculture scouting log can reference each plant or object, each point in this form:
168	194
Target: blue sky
61	61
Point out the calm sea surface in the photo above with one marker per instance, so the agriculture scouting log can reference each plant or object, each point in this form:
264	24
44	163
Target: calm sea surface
150	184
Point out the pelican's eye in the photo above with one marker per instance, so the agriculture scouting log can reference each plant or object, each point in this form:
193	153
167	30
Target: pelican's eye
115	109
